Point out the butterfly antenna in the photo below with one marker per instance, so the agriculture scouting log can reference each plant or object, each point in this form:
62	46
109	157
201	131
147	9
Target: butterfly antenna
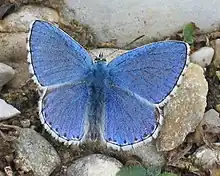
123	47
138	38
101	55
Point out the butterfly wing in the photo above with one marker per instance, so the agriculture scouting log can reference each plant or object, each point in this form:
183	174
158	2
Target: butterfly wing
129	120
54	57
63	111
139	82
151	71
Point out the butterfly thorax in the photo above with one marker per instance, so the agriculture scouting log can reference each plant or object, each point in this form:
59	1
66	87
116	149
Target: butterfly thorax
99	74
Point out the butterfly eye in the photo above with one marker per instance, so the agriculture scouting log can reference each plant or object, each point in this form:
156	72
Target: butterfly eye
100	59
97	59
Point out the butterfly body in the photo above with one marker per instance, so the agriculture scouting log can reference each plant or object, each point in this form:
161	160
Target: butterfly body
96	87
117	102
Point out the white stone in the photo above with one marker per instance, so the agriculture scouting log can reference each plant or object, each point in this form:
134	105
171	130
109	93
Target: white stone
7	111
20	21
6	74
126	20
203	56
94	165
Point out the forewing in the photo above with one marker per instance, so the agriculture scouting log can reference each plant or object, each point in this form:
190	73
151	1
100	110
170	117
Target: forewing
63	111
129	120
54	57
151	71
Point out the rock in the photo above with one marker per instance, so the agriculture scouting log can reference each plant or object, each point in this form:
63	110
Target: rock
36	153
94	165
185	110
212	121
13	53
217	73
2	173
25	123
210	115
6	74
216	45
207	157
13	47
217	107
8	170
203	56
9	158
149	154
19	21
7	111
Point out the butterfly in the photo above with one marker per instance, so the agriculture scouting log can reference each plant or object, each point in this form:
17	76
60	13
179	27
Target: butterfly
118	102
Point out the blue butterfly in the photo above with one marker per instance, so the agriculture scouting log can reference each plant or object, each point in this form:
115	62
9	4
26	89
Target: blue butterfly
118	102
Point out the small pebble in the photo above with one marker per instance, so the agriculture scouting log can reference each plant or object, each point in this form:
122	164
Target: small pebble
25	123
203	56
218	74
9	158
217	107
7	111
8	171
206	157
66	156
216	45
211	122
18	164
6	74
2	173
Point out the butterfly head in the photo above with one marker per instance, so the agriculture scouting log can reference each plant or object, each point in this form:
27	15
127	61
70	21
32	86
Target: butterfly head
100	58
